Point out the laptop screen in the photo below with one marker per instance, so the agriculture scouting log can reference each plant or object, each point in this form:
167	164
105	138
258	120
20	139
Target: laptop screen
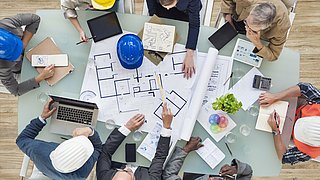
74	102
104	26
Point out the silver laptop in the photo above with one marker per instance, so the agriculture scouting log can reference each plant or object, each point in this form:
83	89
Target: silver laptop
71	114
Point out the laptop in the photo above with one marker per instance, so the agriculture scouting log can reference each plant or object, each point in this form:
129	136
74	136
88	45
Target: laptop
71	114
104	26
222	36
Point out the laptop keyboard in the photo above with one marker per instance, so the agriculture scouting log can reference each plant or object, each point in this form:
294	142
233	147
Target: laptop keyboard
74	115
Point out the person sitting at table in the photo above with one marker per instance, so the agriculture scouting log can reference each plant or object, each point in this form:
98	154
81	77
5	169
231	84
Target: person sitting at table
305	135
268	20
107	170
184	10
243	171
69	11
72	159
12	43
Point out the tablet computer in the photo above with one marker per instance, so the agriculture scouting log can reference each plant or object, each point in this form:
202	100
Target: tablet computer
223	35
104	26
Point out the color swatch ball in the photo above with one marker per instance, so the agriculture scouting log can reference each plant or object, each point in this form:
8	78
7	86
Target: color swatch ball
218	123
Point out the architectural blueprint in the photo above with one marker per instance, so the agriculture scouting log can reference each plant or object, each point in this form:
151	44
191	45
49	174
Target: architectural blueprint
124	93
157	37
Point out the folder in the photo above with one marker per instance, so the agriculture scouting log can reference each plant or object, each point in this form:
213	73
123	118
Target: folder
49	47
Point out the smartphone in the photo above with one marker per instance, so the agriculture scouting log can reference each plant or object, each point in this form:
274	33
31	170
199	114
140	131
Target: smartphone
131	152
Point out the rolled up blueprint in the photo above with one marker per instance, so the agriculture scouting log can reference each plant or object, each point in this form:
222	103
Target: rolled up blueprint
198	94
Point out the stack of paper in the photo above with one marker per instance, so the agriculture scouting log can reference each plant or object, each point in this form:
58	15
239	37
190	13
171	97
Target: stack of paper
281	108
210	153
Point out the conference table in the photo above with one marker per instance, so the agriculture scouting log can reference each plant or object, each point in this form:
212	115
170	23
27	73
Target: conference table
257	149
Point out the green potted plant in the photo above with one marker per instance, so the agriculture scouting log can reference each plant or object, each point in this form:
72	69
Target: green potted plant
227	103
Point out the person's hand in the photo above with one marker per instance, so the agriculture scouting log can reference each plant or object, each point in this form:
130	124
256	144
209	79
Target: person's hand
272	121
193	144
135	122
254	37
228	18
228	170
167	116
47	112
46	73
266	99
85	131
83	36
188	64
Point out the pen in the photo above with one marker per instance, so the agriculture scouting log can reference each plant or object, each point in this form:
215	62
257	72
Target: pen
228	78
228	148
275	118
84	41
64	138
177	52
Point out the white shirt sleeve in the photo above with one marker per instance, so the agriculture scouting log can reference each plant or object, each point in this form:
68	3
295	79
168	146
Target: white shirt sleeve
42	120
165	132
124	130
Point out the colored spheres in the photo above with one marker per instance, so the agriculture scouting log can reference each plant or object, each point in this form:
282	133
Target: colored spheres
218	123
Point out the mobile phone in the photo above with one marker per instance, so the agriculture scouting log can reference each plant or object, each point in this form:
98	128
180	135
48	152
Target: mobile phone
131	152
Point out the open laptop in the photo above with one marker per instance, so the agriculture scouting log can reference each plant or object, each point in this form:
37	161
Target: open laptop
71	114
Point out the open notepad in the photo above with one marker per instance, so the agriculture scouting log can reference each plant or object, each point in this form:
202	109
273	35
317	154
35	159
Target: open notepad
210	153
281	108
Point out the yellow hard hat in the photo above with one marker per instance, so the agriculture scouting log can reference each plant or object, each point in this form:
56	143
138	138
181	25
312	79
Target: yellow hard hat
102	4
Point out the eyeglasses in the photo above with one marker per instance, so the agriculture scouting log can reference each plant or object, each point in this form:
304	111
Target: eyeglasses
245	23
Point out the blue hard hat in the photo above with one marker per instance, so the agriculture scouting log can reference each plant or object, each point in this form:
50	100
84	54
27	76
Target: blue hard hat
11	46
130	51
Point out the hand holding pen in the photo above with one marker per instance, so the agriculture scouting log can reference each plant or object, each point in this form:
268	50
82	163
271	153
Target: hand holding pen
274	121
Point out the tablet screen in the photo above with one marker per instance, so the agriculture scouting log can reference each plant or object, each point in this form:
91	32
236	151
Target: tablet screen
104	26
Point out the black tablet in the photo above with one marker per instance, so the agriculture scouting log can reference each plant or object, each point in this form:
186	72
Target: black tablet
104	26
222	36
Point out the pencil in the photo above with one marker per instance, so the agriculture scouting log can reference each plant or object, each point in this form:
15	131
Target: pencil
84	41
160	87
228	148
228	78
275	118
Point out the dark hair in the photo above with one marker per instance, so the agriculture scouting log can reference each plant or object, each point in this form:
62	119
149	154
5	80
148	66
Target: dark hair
166	2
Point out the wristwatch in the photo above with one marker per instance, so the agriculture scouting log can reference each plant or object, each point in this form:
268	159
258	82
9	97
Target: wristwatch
276	132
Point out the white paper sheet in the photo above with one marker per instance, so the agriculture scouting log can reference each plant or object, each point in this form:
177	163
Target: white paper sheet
199	93
123	93
219	81
244	91
203	119
210	153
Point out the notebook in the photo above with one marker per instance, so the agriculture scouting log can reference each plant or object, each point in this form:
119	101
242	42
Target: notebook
48	46
104	26
281	108
210	153
223	35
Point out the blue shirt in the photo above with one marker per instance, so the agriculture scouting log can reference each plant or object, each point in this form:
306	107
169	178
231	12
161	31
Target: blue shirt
39	152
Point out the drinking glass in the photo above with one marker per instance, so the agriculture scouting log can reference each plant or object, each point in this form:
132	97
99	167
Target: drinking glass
230	138
245	130
43	97
137	135
110	124
253	110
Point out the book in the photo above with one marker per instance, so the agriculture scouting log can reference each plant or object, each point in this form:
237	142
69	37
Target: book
281	108
59	60
48	47
210	153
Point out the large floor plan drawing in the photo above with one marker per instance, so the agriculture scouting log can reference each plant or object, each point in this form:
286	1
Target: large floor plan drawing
122	93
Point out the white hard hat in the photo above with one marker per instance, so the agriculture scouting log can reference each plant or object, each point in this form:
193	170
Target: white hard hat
71	155
307	130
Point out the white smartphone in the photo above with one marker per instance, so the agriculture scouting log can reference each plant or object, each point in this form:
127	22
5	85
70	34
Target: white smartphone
59	60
